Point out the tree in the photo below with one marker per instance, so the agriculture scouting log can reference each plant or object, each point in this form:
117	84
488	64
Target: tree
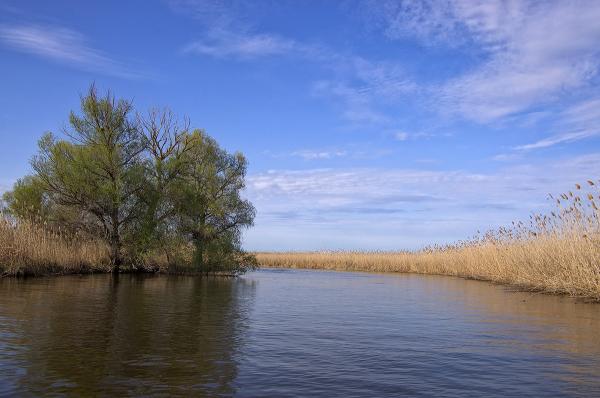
142	184
209	206
28	200
165	145
99	171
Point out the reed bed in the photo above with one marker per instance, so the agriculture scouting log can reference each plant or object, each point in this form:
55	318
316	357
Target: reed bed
34	249
555	253
28	248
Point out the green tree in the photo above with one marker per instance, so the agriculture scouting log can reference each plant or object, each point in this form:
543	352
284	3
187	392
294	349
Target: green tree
165	144
28	200
99	170
142	184
209	206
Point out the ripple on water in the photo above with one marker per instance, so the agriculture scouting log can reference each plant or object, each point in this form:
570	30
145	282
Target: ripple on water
292	333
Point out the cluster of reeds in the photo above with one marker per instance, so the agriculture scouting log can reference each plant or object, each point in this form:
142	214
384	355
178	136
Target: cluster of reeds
28	248
35	248
557	252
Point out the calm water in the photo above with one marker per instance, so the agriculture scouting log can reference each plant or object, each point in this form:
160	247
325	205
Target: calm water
292	333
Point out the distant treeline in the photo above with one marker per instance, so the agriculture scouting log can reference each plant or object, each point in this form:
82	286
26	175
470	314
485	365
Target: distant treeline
150	189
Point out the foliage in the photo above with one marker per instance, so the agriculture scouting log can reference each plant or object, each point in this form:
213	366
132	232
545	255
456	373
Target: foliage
208	206
141	184
27	200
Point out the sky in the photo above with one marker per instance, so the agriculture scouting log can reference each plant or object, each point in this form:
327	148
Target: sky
368	125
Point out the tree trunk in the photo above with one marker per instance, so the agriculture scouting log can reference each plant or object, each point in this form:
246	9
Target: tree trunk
199	252
115	243
115	256
199	241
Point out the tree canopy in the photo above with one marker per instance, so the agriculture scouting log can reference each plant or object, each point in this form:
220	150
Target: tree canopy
148	185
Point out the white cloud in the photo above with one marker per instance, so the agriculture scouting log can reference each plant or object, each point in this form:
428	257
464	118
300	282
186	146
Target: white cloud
62	45
559	139
355	104
315	154
531	54
352	151
426	20
223	44
356	84
584	113
400	208
401	136
506	157
223	14
229	30
404	136
579	121
535	51
359	87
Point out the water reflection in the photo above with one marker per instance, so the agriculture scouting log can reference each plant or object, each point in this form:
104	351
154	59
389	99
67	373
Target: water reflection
293	333
351	334
123	335
553	322
559	333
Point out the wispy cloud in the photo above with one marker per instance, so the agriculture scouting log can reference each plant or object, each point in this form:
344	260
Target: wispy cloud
221	14
584	113
307	154
224	43
350	151
229	30
360	87
530	63
534	51
400	208
401	136
559	139
63	45
507	157
521	63
355	104
406	136
355	85
578	122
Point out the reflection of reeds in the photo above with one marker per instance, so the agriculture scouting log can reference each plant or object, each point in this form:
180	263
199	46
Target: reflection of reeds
28	248
555	253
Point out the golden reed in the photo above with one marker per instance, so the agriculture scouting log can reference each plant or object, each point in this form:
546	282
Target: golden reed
554	253
27	248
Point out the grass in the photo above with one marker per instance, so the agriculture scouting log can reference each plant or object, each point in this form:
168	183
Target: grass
30	249
556	253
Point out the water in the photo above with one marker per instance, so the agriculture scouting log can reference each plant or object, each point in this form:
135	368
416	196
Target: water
292	333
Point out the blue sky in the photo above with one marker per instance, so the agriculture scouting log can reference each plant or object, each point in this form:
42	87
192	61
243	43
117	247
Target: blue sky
367	124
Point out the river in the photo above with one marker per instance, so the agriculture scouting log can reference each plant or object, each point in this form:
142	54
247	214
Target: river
281	333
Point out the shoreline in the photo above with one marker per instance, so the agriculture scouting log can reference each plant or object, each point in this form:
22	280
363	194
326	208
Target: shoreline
531	272
110	272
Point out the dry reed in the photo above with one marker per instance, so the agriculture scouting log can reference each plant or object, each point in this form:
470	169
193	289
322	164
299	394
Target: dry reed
554	253
30	249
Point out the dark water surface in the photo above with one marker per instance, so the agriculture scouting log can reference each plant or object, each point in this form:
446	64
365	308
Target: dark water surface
292	333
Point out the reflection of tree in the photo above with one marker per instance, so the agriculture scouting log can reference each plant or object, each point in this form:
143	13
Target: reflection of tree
141	335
